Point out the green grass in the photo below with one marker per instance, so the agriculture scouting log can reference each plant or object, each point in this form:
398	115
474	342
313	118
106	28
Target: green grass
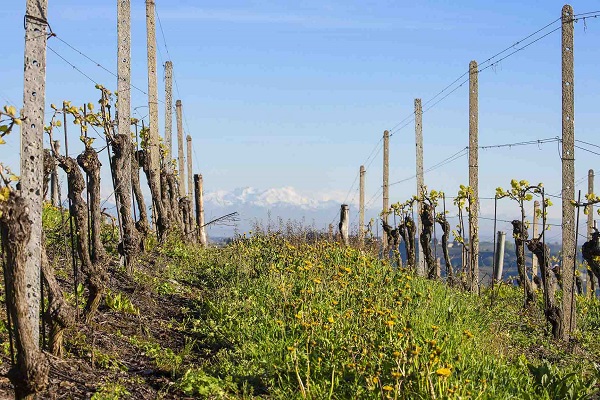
281	319
319	321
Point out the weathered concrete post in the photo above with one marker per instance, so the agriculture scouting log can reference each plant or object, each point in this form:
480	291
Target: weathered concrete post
534	260
123	146
590	286
330	232
189	166
198	185
32	157
180	157
344	222
54	184
153	139
361	208
420	183
474	175
499	262
169	110
386	187
568	173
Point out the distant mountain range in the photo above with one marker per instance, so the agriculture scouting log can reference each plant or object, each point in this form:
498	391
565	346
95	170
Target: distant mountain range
277	205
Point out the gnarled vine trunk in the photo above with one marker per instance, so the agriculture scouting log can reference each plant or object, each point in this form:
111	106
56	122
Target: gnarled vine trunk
441	219
552	311
427	219
89	162
162	224
142	222
122	172
393	236
591	254
94	276
48	169
520	234
59	315
174	200
30	373
408	230
185	205
164	194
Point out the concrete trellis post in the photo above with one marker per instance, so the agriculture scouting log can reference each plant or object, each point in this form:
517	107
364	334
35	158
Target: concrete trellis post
344	222
32	135
189	165
153	138
123	146
474	174
198	185
386	187
180	157
361	208
590	287
54	185
534	260
153	142
420	183
169	110
568	173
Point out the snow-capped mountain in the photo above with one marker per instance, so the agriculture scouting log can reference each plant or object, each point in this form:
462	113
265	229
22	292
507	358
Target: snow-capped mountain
267	198
274	205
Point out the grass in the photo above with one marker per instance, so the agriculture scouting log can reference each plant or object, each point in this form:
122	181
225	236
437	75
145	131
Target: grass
320	321
281	318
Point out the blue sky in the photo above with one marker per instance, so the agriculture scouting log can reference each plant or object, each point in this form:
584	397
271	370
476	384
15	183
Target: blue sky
281	93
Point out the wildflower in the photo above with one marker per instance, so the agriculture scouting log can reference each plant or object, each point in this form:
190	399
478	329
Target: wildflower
396	374
291	348
387	388
331	320
375	379
317	281
467	333
335	302
445	372
390	323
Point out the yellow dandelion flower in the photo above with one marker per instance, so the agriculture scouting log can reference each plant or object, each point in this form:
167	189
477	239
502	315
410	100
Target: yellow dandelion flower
445	372
387	388
390	323
291	348
375	379
396	374
331	320
397	354
467	333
